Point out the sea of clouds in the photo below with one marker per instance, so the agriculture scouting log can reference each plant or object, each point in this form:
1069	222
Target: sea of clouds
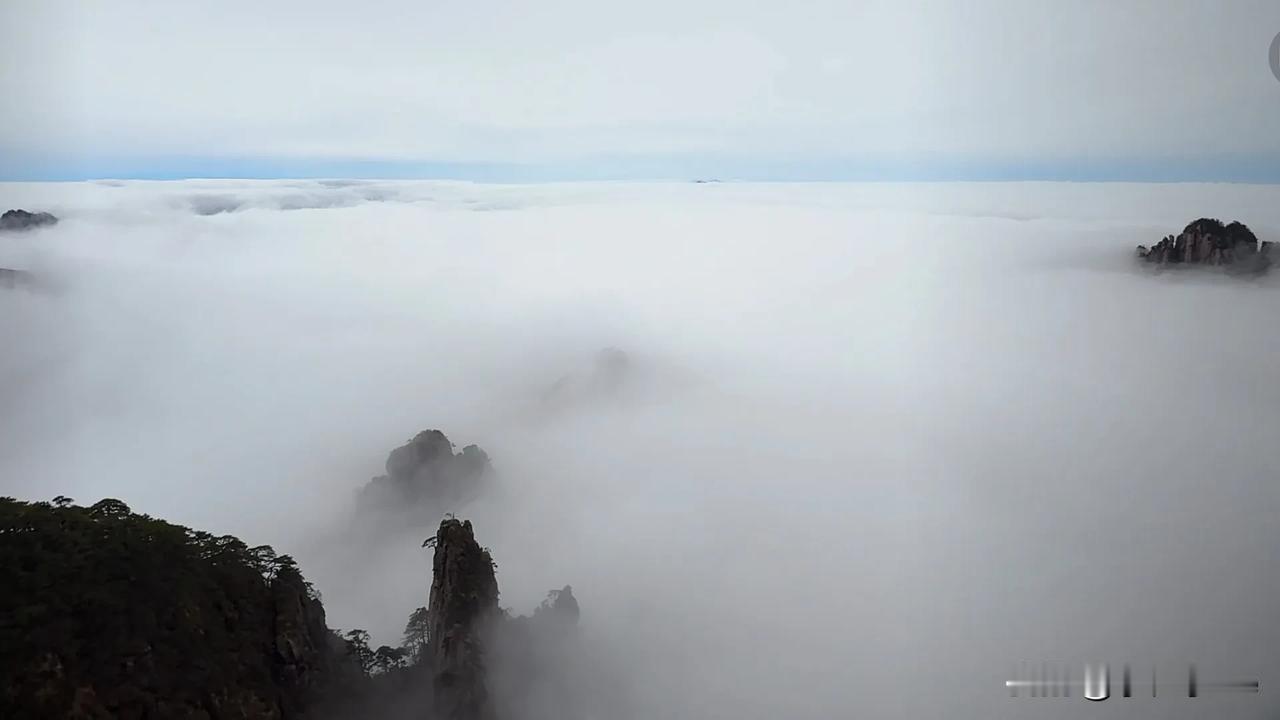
877	444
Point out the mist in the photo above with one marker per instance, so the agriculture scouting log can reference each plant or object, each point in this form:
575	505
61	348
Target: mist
875	445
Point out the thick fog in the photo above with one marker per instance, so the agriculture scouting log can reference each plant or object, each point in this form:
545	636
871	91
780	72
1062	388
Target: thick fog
872	445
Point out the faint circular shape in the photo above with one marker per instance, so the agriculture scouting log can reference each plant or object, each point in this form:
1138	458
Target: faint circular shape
1274	56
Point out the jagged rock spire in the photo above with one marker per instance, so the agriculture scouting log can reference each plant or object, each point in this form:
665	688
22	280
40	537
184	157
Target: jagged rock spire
464	596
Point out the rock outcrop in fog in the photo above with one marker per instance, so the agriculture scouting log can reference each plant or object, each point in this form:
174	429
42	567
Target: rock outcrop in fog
426	477
534	671
610	371
487	664
464	599
23	220
1208	241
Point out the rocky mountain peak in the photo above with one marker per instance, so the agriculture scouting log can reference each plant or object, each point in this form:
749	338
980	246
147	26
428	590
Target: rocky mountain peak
23	220
464	597
1208	241
425	473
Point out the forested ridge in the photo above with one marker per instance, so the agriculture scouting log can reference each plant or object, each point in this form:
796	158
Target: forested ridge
109	613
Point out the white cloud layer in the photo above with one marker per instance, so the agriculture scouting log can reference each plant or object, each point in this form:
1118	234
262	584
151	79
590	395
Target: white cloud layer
892	438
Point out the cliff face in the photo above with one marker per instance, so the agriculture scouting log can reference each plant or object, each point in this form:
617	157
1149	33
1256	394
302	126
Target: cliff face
425	475
485	663
1209	242
307	659
464	599
108	614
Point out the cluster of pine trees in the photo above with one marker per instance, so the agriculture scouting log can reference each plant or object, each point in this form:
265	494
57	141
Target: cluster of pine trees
105	612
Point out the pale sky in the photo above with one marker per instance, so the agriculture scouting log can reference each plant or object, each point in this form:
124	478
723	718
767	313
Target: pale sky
1150	89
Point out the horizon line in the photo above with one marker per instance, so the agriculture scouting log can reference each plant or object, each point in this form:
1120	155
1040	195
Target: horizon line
1066	180
1244	169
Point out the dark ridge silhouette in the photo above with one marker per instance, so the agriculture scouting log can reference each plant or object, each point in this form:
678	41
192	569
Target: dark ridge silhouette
1208	241
23	220
106	613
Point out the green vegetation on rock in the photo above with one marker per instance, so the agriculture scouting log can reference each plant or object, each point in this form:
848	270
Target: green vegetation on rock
107	613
